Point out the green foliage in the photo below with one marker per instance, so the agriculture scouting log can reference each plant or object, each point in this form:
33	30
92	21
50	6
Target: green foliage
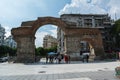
4	50
40	51
115	31
111	55
116	27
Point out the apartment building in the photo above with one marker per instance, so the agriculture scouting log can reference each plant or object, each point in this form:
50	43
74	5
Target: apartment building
103	22
49	41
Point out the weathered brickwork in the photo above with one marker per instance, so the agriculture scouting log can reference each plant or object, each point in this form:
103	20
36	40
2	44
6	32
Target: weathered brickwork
92	36
25	38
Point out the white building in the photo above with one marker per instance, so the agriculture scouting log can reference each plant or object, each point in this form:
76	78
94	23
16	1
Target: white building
60	39
10	42
2	35
49	41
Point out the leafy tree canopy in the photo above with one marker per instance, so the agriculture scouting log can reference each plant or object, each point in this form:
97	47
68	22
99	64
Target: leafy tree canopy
116	27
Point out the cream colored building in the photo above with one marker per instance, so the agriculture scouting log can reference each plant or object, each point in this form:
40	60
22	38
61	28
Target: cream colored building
49	41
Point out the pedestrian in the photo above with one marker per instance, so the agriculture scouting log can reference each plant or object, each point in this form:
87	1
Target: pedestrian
83	58
87	58
59	58
81	52
69	59
51	58
66	58
47	59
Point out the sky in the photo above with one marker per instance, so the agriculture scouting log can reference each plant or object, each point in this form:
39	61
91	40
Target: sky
13	12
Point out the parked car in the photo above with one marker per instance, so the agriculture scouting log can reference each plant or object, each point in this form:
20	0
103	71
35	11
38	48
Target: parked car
3	59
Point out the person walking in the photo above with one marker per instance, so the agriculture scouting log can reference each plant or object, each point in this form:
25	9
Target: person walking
66	58
87	58
59	58
47	57
69	59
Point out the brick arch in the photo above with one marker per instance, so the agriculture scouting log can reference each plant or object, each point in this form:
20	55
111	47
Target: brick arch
90	35
91	44
47	20
25	37
96	48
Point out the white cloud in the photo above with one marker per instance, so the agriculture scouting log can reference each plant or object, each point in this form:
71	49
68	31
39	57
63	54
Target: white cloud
93	6
114	8
83	7
7	31
39	38
54	31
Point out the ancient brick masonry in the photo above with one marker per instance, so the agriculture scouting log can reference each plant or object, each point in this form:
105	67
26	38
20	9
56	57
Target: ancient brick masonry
25	38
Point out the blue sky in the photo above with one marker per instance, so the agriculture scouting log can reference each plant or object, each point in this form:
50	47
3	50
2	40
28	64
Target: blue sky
13	12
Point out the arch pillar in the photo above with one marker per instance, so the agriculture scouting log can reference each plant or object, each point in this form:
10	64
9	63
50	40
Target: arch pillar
92	36
24	36
97	50
25	49
25	46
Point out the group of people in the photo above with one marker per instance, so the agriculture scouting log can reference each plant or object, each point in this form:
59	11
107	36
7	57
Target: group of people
58	58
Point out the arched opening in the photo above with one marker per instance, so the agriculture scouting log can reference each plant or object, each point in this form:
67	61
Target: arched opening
43	31
48	20
86	48
45	42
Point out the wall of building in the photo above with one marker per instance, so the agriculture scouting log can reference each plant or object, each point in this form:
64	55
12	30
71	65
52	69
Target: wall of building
49	41
10	42
99	21
2	35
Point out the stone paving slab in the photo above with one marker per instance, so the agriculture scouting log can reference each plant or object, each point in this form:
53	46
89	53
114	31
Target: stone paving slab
76	79
99	75
77	71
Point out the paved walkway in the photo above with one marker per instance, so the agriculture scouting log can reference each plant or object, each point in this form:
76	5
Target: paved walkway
73	71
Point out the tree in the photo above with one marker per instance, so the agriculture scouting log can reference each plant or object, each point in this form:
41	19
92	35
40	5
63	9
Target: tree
5	50
116	27
116	33
40	51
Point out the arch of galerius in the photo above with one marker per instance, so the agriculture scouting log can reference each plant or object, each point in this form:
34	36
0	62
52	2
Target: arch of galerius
25	38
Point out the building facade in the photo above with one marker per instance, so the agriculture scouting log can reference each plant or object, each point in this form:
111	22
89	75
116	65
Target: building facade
10	42
87	21
2	35
49	41
6	41
74	36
